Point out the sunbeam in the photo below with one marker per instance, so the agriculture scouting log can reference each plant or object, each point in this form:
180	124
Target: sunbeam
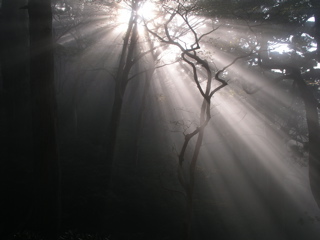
175	118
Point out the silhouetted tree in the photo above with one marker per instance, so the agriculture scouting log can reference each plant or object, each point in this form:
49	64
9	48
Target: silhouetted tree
14	66
126	63
45	214
187	163
15	135
291	15
127	70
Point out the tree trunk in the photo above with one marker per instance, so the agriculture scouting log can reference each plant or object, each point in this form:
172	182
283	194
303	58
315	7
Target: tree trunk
15	134
45	218
114	123
140	122
189	189
14	72
125	65
311	104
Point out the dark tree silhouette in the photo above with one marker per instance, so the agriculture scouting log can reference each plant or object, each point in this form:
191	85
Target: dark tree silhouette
286	15
129	59
186	171
14	66
15	135
45	214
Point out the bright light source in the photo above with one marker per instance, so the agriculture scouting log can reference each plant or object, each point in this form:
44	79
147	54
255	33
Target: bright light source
147	10
312	19
280	48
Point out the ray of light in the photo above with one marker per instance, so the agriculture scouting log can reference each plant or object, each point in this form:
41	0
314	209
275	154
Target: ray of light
243	156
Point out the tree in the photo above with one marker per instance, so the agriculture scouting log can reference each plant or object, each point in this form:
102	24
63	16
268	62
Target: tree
126	62
298	70
189	51
45	214
298	65
127	70
14	65
15	136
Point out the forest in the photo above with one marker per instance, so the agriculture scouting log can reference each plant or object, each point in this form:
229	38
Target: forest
160	119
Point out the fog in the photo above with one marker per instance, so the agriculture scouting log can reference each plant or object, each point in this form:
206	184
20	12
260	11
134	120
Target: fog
251	176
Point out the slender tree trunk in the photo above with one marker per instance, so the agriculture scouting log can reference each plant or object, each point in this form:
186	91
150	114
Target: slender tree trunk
114	123
140	121
125	65
311	104
45	216
187	232
148	76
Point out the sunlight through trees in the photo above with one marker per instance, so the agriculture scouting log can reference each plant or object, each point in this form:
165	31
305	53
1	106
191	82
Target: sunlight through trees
157	119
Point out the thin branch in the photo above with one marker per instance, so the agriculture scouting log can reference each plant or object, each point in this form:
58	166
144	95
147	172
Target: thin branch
157	67
101	69
195	75
230	64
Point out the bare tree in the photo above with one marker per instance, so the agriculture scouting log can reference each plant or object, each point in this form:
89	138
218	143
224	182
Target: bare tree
128	68
186	173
